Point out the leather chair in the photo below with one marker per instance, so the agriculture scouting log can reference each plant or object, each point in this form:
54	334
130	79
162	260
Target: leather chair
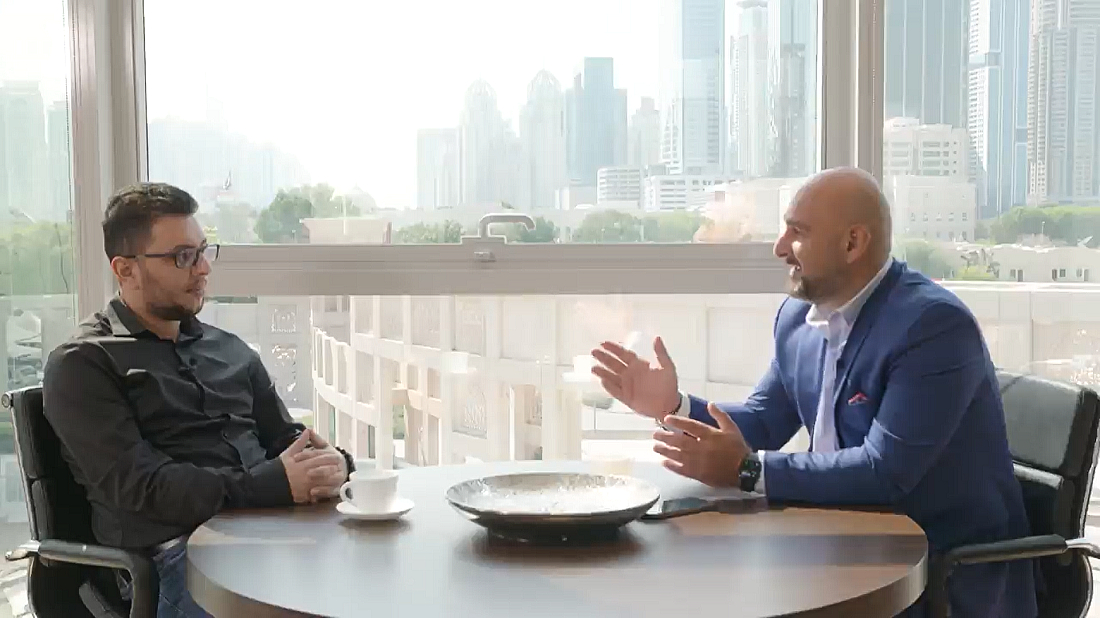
1052	433
68	575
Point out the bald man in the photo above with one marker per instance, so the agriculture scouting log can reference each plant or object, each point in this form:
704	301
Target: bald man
890	375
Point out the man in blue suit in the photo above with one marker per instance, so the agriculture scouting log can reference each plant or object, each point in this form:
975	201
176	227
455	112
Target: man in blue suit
890	375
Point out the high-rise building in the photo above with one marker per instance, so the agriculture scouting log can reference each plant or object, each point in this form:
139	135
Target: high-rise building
926	60
751	107
58	160
23	176
1063	138
644	143
692	88
437	169
596	120
997	111
481	147
792	58
205	158
912	149
542	131
619	184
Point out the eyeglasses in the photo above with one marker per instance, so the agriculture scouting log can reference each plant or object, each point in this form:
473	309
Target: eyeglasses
186	258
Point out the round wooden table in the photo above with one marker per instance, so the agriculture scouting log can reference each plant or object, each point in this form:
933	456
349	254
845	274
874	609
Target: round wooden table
311	561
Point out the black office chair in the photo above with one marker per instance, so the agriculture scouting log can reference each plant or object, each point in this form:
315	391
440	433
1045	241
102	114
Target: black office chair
68	576
1052	433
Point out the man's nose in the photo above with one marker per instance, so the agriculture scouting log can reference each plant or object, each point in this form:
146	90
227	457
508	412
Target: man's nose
781	247
202	267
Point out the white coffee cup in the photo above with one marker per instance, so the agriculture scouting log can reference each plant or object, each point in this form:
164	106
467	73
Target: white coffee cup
370	490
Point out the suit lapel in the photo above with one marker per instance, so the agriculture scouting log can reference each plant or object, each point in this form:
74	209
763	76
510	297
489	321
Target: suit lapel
866	319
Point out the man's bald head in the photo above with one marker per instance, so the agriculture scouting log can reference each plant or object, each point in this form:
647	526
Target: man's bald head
849	196
838	229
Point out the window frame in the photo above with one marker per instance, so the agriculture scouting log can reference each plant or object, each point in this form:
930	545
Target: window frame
110	150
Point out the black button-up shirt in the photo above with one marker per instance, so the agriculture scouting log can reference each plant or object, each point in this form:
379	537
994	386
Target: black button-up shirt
164	434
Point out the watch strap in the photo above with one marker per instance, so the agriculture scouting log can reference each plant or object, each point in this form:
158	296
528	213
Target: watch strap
749	472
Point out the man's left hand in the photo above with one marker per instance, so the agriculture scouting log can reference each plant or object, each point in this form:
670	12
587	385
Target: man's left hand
327	479
699	451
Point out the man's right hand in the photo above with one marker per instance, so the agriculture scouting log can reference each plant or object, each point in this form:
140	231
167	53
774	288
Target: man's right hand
298	472
650	390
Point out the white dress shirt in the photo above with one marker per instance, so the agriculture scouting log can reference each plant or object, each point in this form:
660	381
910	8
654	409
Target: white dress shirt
835	326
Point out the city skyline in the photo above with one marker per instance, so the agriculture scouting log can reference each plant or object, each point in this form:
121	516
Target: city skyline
356	135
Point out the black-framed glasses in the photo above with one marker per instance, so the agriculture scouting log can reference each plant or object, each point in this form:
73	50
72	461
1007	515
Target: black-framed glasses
187	257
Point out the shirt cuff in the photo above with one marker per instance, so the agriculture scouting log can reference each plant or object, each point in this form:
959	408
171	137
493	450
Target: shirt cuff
270	486
762	455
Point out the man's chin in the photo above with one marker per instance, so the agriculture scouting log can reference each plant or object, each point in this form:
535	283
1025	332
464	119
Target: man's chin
796	288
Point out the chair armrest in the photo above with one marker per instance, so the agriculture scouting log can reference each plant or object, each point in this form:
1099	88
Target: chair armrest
1000	551
1004	551
142	570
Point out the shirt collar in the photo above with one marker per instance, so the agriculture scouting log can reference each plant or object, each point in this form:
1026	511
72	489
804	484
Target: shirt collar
849	311
125	323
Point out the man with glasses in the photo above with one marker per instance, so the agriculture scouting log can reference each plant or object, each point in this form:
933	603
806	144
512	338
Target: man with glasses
164	420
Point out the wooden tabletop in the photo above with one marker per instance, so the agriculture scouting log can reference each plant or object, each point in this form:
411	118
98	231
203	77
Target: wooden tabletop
311	561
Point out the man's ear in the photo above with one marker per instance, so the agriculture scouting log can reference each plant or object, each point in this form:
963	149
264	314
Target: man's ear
859	241
122	268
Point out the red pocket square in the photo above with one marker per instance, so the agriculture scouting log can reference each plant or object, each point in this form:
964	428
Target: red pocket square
857	398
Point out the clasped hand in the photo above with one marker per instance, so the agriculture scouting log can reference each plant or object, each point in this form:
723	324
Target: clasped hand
314	468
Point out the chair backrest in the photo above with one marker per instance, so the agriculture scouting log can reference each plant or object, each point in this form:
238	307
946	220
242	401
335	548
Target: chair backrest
1052	433
57	507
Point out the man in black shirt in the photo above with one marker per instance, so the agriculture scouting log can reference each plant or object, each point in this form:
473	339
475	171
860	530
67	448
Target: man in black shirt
166	421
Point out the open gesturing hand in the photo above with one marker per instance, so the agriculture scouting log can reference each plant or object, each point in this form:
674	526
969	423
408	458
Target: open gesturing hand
648	389
704	453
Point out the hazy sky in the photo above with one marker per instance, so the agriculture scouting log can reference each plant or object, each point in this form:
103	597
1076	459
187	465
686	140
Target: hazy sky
345	84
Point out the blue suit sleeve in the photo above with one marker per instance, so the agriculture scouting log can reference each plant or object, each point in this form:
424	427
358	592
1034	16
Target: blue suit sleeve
930	385
767	419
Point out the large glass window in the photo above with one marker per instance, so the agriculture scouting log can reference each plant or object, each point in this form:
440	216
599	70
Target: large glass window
610	121
988	114
37	278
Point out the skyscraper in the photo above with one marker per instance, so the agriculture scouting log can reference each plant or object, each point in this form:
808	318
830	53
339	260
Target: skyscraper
23	176
997	114
542	131
1062	93
436	169
596	120
481	147
58	160
644	144
751	105
926	60
692	85
792	59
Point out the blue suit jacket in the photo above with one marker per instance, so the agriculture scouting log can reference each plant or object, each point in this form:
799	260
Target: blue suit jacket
920	428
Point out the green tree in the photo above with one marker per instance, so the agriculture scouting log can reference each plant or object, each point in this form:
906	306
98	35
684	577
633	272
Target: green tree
326	204
609	226
281	221
449	232
37	259
679	226
545	231
924	257
1068	224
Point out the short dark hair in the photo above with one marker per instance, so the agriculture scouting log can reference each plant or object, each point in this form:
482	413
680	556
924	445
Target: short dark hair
131	212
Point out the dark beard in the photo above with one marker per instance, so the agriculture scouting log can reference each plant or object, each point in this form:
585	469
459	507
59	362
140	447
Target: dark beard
799	289
172	313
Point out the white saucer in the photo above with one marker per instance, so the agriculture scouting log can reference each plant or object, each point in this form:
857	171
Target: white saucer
400	507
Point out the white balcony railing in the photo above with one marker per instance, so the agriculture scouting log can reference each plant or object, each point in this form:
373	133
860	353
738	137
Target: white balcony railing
486	377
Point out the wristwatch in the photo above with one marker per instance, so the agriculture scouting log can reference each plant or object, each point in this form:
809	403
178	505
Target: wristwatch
347	460
749	472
